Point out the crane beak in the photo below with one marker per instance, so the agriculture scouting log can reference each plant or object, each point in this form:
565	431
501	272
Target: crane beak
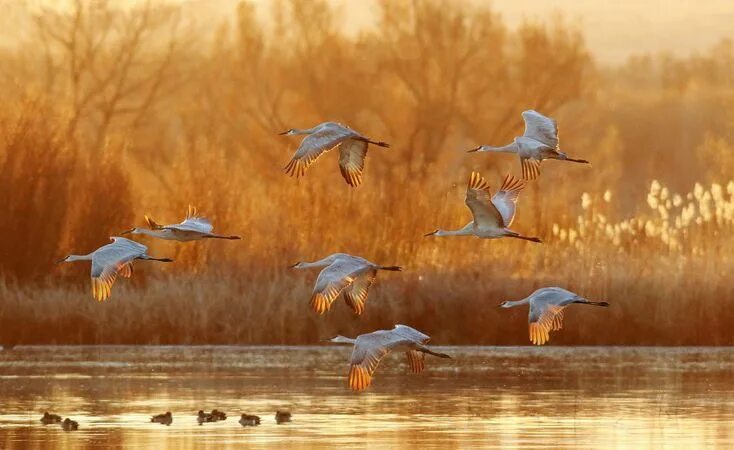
284	133
476	149
128	231
431	233
59	261
292	265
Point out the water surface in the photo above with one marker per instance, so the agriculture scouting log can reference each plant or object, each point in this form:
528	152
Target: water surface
509	397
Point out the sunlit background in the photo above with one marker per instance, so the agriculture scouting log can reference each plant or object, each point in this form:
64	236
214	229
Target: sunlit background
113	110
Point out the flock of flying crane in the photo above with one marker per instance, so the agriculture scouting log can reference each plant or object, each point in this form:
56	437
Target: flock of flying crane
353	276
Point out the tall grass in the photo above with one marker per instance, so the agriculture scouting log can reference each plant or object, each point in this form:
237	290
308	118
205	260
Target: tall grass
198	126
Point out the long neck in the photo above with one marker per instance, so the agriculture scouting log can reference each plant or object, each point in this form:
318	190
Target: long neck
154	233
320	263
342	340
510	148
468	230
524	301
304	130
72	258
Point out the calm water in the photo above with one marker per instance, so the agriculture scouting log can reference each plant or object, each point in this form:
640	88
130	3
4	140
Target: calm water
485	397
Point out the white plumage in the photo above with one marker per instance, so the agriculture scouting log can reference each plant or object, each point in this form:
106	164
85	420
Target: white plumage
192	228
545	313
538	142
493	215
345	273
110	260
322	138
370	348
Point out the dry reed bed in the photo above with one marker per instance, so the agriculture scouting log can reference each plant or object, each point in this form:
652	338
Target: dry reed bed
450	288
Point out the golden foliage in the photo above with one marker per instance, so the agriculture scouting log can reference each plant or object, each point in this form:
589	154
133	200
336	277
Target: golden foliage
102	125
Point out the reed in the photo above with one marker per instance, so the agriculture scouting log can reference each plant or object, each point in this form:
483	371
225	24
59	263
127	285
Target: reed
192	119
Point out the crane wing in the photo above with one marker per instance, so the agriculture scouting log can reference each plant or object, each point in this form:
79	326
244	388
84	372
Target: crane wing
530	168
314	145
505	200
541	128
110	259
544	316
193	222
479	202
332	281
416	360
352	153
356	294
126	270
369	349
411	333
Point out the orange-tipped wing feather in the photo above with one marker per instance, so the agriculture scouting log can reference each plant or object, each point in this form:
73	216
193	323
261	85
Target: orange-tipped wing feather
530	168
549	320
416	361
356	294
479	201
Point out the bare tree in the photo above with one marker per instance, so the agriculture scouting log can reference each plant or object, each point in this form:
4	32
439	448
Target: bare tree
110	66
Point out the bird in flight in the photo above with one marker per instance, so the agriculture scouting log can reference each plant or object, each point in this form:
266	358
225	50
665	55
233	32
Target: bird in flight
493	215
538	142
193	228
546	310
343	273
370	348
322	138
110	260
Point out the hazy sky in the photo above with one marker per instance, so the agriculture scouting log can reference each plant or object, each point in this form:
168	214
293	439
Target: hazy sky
613	29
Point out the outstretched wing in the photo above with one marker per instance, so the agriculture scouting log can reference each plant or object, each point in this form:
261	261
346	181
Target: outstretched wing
352	153
356	294
315	145
108	261
505	199
546	312
541	324
530	168
411	334
541	128
416	360
126	270
332	281
369	349
479	202
193	222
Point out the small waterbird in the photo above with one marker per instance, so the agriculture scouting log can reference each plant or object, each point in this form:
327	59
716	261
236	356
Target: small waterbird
322	138
49	419
538	142
343	273
69	425
164	419
204	417
110	260
282	417
370	348
218	415
248	420
493	215
546	310
193	228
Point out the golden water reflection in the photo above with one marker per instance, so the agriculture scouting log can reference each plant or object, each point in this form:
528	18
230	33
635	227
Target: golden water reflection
484	397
